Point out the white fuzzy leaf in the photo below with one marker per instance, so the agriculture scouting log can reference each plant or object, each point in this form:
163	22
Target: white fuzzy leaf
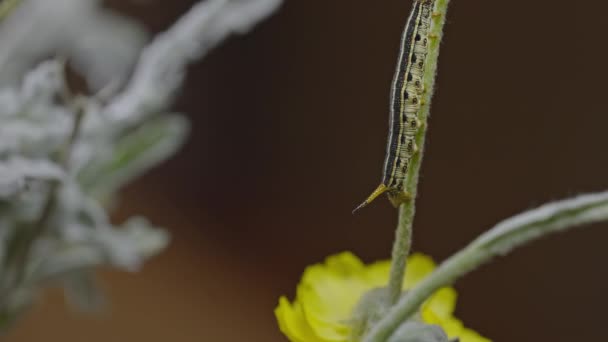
17	171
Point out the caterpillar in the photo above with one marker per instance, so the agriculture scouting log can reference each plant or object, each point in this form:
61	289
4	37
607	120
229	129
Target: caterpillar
406	92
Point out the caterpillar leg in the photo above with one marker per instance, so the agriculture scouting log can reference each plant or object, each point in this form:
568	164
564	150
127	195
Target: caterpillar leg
379	191
398	198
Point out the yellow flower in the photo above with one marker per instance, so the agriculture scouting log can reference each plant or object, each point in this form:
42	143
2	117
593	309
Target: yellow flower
329	292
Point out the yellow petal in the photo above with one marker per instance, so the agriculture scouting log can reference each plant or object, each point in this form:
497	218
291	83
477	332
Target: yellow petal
329	292
326	323
345	263
428	316
452	326
469	335
376	274
418	267
439	310
333	291
293	323
442	302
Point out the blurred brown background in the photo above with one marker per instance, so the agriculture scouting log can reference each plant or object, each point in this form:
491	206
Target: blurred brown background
289	128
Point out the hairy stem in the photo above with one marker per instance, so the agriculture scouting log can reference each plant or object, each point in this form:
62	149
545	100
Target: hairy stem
407	210
505	236
401	249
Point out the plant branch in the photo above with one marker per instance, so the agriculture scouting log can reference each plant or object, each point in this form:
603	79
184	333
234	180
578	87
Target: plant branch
504	237
162	66
401	249
407	210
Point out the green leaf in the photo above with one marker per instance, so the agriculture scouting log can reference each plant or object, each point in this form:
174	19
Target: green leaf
136	152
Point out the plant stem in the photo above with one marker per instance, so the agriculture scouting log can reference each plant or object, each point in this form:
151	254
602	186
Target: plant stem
401	249
505	236
407	210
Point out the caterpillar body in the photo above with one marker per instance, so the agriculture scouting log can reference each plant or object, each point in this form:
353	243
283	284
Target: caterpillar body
406	93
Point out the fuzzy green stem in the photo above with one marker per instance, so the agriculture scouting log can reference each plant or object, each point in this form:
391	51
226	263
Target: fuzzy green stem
505	236
407	210
401	249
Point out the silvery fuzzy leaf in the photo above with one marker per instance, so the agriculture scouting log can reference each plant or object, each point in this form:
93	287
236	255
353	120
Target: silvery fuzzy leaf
162	65
133	154
7	228
82	292
44	82
19	300
411	331
15	172
40	131
10	102
126	248
130	245
26	206
74	207
71	28
31	122
147	239
11	182
116	247
35	168
109	150
108	49
53	259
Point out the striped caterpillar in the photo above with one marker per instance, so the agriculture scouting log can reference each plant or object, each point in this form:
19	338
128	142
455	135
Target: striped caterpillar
406	92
